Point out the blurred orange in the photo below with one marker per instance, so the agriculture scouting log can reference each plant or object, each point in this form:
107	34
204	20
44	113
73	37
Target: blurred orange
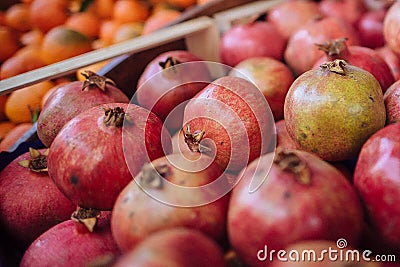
130	11
32	37
46	14
107	31
9	43
17	17
22	103
103	8
160	19
5	128
182	3
14	135
62	43
25	59
84	22
127	31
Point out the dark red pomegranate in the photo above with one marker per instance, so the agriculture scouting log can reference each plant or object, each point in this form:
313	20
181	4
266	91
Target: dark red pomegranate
175	247
258	36
370	27
362	57
66	244
93	157
301	52
290	16
72	98
377	179
301	198
231	119
331	111
154	202
392	103
165	84
30	203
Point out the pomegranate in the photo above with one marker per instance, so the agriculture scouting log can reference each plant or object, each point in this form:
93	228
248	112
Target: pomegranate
391	27
331	111
370	27
323	253
302	198
392	103
232	114
362	57
30	203
377	180
378	5
271	76
348	10
86	159
175	247
72	98
391	59
154	202
258	36
164	84
301	53
68	245
283	138
290	16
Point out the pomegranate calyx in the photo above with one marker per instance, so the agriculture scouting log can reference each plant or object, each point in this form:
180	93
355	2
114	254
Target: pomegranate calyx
114	116
37	162
336	66
92	79
193	139
333	47
169	62
88	217
152	176
288	161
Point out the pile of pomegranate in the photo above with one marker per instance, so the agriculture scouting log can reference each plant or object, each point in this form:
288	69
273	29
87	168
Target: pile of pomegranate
291	144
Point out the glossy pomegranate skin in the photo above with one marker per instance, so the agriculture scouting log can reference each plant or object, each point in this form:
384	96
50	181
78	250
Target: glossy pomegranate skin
392	103
301	52
370	27
87	160
137	214
30	202
391	27
69	100
289	16
391	59
377	180
258	36
348	10
65	245
286	211
175	247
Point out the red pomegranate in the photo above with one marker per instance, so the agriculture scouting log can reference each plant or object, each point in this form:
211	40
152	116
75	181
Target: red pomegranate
302	198
392	103
30	202
93	157
391	59
391	27
348	10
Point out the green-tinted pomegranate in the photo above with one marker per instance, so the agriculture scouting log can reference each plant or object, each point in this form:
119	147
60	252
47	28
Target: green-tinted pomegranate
332	110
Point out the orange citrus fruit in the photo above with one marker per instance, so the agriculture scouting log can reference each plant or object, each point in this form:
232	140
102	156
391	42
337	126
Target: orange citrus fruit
84	22
14	135
62	43
46	14
160	19
9	43
130	11
22	103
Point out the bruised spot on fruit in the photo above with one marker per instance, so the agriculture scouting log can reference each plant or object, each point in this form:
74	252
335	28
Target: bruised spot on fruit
152	176
74	179
287	160
130	215
287	195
